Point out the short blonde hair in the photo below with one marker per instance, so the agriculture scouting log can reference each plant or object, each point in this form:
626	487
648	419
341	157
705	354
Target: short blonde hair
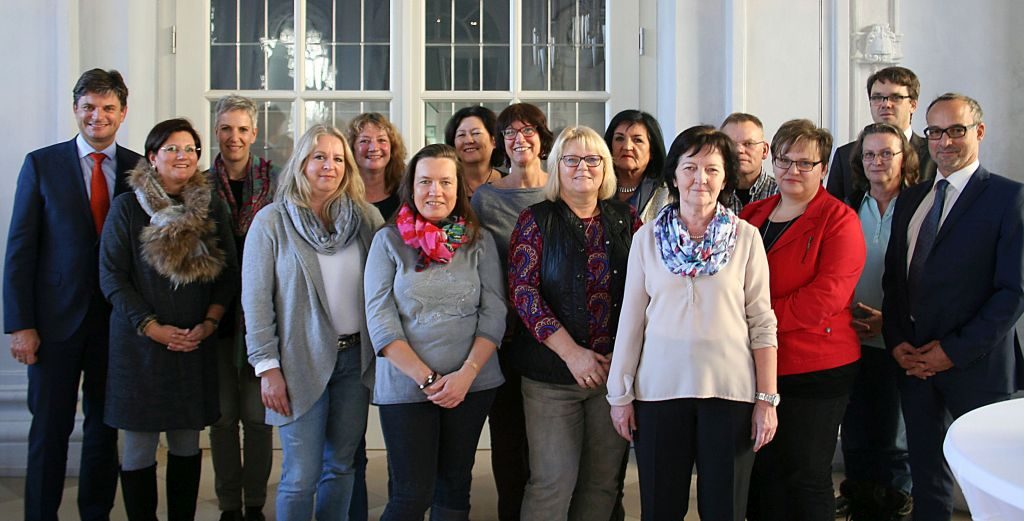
590	140
294	185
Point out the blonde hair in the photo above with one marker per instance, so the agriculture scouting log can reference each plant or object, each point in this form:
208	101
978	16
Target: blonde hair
590	140
295	187
396	165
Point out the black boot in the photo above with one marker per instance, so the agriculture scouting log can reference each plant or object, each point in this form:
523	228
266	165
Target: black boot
183	486
138	489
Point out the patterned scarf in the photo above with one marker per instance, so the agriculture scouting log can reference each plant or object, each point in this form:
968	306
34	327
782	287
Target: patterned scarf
685	257
255	191
434	244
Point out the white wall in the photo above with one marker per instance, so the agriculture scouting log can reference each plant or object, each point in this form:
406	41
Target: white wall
703	60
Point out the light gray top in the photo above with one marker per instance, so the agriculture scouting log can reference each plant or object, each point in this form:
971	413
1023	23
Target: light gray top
439	311
498	210
286	307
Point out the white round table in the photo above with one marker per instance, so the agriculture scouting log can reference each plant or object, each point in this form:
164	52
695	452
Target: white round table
985	450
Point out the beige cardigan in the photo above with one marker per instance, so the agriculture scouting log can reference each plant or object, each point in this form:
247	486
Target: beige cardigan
682	337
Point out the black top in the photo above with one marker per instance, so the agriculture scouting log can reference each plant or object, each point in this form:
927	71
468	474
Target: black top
771	231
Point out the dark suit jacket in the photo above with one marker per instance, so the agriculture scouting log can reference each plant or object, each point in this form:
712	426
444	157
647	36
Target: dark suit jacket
51	270
840	173
972	286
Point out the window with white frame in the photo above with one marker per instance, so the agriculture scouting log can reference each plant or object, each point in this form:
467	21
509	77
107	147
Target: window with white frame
553	53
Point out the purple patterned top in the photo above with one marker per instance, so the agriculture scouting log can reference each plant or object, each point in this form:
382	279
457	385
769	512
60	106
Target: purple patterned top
524	273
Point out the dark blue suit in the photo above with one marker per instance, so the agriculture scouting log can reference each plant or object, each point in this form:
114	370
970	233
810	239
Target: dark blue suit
971	296
51	284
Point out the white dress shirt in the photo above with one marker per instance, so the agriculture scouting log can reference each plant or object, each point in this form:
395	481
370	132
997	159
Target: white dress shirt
957	181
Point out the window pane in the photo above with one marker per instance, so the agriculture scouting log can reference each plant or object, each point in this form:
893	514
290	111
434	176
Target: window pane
563	22
437	66
562	114
377	67
495	65
274	139
222	67
535	22
253	69
223	21
467	68
437	26
377	21
347	59
591	115
534	72
496	22
339	113
592	68
347	21
467	21
563	68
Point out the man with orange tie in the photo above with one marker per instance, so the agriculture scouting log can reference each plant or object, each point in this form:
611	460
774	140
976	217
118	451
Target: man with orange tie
53	308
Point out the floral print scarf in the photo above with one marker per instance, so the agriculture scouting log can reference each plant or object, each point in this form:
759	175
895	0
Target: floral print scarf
686	257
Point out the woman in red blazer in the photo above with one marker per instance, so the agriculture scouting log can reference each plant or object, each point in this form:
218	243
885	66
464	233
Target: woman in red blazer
816	253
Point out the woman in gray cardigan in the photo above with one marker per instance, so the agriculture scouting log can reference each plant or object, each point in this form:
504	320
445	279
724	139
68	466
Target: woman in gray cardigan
303	303
436	313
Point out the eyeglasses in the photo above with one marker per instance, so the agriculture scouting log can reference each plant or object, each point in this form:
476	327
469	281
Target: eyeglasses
783	163
956	131
510	133
878	99
885	156
574	161
750	145
175	149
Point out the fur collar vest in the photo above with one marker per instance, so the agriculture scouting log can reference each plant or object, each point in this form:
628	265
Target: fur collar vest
180	241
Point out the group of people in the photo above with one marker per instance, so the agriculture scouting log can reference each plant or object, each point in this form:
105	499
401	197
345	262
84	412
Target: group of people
579	292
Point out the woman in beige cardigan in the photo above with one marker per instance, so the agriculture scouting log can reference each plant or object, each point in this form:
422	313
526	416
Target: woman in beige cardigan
693	376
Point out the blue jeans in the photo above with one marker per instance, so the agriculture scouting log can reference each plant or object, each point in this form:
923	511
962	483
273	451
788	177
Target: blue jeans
320	445
874	437
431	451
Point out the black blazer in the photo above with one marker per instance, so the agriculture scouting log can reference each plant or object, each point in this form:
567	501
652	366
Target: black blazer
972	288
840	173
51	270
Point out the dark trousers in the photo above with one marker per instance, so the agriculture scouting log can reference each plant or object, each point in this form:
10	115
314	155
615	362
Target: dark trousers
792	476
510	456
53	384
874	437
672	436
431	451
359	509
929	408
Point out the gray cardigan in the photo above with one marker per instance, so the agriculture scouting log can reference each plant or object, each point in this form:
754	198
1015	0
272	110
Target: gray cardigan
285	304
439	311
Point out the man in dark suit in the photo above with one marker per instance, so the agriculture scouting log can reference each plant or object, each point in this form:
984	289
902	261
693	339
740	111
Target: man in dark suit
892	94
952	294
53	308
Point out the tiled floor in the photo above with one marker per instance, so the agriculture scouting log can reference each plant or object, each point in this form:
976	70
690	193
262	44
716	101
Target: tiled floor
483	495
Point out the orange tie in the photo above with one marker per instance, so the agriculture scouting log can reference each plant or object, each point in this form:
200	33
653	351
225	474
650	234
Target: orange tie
99	201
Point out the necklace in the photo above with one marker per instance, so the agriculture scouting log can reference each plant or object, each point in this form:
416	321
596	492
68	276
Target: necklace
768	243
697	238
490	175
627	189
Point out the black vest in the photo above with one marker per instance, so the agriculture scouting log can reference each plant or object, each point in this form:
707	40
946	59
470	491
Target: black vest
563	281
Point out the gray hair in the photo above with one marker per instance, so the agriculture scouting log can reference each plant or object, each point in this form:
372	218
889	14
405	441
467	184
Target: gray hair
235	102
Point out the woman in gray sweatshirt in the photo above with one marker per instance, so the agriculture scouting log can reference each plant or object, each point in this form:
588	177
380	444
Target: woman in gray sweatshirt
436	313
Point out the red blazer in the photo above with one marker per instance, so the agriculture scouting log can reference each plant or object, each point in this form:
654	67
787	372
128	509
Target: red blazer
814	268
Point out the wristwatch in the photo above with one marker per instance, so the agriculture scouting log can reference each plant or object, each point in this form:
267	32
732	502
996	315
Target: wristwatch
772	399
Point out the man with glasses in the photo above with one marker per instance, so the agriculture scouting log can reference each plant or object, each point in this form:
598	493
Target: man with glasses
952	294
892	94
755	183
53	309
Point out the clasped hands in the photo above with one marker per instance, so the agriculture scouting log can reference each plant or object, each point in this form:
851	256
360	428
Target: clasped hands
176	338
922	362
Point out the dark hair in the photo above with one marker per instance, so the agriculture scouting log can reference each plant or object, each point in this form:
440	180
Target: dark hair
909	174
900	76
99	81
693	141
657	139
486	116
741	117
797	130
529	114
162	132
462	207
